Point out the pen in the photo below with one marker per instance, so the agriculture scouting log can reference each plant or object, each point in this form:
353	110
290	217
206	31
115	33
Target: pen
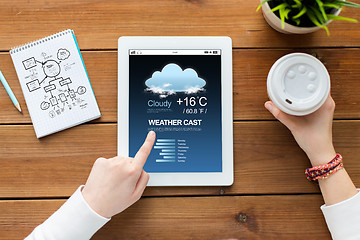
10	92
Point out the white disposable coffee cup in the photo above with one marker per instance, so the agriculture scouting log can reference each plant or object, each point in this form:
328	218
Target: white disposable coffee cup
298	84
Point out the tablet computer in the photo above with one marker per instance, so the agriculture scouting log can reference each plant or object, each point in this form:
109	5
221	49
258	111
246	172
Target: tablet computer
181	88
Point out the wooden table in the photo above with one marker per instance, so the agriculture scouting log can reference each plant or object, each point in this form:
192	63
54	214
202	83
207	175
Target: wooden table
270	198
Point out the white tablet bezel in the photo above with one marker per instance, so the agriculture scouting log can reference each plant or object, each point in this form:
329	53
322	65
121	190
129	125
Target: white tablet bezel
224	178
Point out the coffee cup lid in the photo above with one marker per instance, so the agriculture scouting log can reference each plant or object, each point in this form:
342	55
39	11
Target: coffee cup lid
298	84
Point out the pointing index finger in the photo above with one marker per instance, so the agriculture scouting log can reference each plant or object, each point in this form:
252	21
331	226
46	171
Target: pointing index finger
143	153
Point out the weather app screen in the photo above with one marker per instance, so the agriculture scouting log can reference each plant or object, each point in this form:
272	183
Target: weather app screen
177	94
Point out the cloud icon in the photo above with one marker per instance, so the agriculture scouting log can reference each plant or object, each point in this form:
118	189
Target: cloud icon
172	79
63	54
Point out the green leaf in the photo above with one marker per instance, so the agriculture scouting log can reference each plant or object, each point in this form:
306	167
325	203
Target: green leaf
297	21
262	3
331	5
297	4
282	17
318	15
346	3
312	17
302	12
322	10
286	12
280	6
334	17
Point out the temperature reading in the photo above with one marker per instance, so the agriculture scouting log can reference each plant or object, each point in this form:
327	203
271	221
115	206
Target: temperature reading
193	101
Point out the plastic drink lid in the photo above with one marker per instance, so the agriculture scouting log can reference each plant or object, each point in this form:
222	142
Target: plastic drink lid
298	84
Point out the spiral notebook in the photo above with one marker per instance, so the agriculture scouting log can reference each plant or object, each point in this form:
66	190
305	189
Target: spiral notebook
55	83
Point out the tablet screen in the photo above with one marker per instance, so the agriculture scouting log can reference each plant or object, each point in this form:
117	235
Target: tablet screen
177	94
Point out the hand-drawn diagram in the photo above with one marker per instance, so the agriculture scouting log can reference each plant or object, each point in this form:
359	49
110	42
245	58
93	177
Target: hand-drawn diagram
58	89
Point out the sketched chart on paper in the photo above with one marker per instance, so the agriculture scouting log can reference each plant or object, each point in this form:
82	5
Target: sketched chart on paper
55	83
48	76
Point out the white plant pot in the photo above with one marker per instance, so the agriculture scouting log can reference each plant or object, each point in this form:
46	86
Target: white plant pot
275	22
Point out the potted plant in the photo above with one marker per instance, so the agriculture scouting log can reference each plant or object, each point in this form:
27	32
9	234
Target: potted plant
303	16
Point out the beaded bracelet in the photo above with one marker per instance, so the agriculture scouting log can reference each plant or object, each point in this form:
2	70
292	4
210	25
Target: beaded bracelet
338	167
324	171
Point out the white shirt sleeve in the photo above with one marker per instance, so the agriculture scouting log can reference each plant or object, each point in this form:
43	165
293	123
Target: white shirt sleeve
75	219
343	218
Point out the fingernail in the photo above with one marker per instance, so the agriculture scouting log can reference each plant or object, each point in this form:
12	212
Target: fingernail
151	134
268	106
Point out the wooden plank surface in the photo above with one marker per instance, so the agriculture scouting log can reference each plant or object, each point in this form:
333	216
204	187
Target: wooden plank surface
267	160
98	24
249	83
268	164
268	217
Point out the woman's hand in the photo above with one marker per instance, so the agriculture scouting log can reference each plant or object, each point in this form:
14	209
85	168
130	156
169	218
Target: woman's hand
115	184
312	132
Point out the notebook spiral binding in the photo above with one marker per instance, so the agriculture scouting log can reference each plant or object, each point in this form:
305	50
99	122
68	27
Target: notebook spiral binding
39	41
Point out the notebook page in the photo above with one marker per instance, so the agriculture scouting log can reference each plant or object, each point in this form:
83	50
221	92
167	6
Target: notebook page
55	83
